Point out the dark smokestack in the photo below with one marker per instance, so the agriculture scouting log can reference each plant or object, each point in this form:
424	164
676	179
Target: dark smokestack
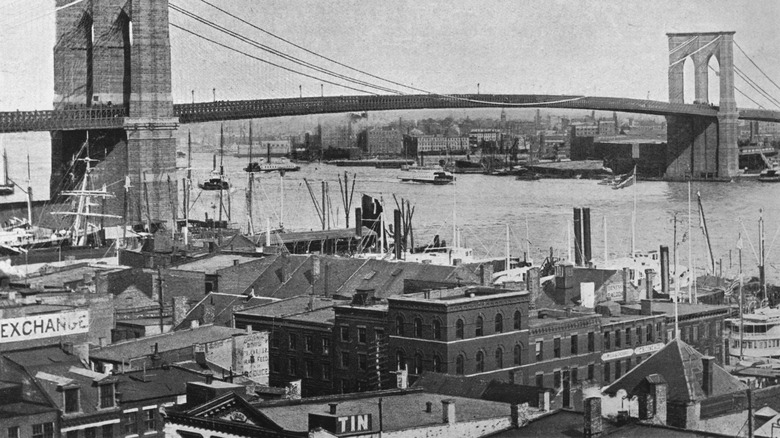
586	234
665	269
358	222
397	233
578	236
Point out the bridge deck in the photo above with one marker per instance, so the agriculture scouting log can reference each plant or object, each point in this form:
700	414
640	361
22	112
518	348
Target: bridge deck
113	117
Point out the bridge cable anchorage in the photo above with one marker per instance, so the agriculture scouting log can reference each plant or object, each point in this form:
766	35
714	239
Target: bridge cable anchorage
694	52
754	64
278	52
271	63
756	87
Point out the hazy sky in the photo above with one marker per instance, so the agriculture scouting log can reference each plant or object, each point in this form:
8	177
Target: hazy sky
605	48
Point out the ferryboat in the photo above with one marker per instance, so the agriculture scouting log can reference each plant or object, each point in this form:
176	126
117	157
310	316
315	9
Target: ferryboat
437	177
759	336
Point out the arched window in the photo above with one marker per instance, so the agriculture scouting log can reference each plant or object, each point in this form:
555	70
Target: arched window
436	326
400	360
499	358
459	329
480	330
418	364
436	363
499	323
399	325
417	327
518	319
480	361
518	355
459	364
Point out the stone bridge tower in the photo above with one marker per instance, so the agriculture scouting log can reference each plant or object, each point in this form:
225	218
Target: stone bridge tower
699	147
117	53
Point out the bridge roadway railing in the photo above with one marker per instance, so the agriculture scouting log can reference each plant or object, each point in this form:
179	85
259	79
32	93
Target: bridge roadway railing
103	117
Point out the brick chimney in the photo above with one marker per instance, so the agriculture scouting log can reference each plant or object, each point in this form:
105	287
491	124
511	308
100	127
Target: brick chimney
448	411
647	308
593	427
652	403
533	283
649	279
486	274
543	401
707	363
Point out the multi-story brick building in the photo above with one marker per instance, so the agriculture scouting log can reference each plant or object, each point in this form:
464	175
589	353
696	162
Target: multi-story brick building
380	142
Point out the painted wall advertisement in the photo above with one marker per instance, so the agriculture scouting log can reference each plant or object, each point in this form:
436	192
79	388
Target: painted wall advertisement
44	326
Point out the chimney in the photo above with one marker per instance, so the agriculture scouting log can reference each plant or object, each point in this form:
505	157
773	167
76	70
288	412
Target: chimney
665	269
194	324
333	407
326	277
316	266
486	274
647	308
593	426
448	411
543	403
249	329
180	309
533	283
358	222
397	233
625	285
578	236
428	407
102	342
652	405
649	280
209	378
236	262
706	375
586	235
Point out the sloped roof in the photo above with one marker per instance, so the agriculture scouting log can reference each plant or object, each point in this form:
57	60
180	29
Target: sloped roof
224	305
680	365
457	386
302	279
272	277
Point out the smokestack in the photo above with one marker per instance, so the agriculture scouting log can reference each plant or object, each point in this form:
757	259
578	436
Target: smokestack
706	375
625	285
358	222
397	233
586	235
665	269
578	236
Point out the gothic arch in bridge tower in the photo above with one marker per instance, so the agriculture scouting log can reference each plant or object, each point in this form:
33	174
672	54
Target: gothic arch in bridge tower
701	147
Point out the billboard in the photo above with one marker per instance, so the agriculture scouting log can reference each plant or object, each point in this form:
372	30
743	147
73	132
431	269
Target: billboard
44	326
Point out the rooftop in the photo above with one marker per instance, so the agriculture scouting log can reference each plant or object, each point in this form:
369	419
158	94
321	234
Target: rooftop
683	309
460	295
209	264
293	306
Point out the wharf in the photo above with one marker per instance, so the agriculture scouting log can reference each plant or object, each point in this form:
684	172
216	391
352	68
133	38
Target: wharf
379	164
591	169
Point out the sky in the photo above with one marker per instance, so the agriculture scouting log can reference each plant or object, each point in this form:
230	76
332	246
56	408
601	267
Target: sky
603	48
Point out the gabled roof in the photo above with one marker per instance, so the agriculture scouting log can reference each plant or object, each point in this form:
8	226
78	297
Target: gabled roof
681	366
222	308
227	413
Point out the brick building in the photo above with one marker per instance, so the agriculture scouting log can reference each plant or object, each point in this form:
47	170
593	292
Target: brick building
380	142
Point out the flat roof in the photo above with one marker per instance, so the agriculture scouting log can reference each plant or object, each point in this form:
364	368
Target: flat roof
291	306
459	295
683	309
400	411
211	264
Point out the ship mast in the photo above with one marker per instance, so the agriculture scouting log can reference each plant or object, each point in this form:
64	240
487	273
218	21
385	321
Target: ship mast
251	228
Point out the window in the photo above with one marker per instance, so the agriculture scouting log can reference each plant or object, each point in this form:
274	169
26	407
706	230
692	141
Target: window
418	329
292	366
518	355
362	335
638	360
499	323
499	358
480	329
606	340
695	333
108	431
459	329
606	372
400	360
308	343
344	359
658	331
617	338
618	370
106	395
539	350
344	386
308	368
326	346
293	341
591	371
436	328
480	362
43	430
399	325
71	396
436	363
628	365
275	340
325	371
518	320
418	363
574	344
628	337
130	423
573	375
459	364
90	432
649	332
13	432
591	342
557	347
344	334
362	362
150	424
540	380
379	334
274	364
556	379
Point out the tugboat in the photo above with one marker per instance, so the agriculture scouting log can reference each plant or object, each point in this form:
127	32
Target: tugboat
215	184
217	181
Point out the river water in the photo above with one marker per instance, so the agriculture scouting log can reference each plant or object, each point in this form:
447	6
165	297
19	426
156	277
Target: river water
542	210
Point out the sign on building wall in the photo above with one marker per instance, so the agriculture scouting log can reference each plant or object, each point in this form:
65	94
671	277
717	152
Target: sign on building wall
628	352
44	326
353	423
252	356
